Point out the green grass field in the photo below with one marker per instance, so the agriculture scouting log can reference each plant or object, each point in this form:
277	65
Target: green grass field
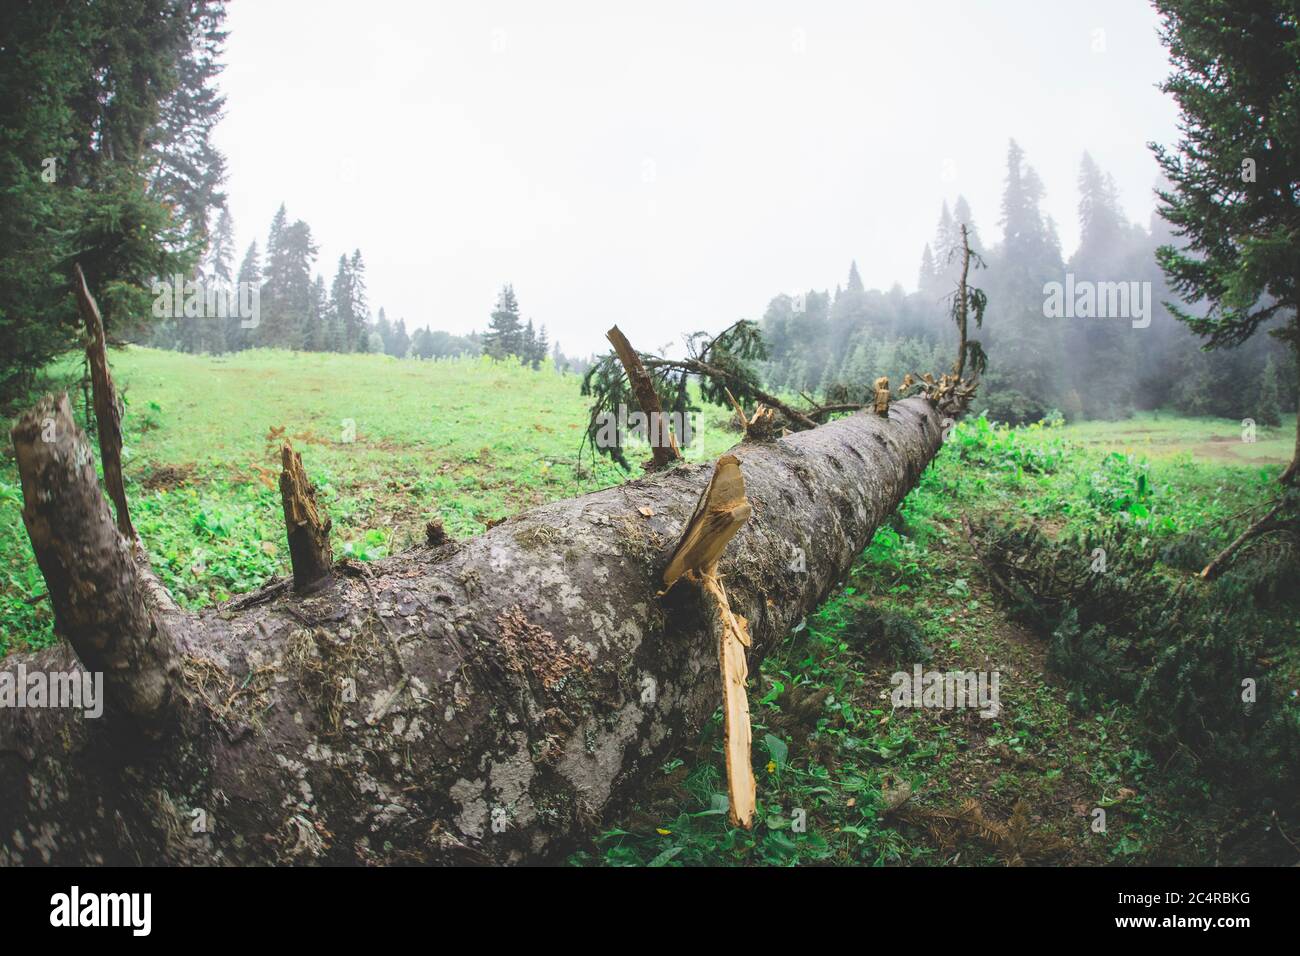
472	441
1205	440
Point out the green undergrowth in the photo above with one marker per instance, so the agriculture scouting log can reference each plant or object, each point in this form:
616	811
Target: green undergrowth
1077	767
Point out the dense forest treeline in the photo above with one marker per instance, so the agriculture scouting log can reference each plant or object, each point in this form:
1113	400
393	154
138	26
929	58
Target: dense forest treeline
1038	364
1044	359
296	311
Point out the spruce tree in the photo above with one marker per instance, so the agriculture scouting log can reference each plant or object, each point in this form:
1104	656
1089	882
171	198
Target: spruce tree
1234	202
928	275
385	330
961	215
238	336
357	330
855	280
401	343
542	349
504	336
106	160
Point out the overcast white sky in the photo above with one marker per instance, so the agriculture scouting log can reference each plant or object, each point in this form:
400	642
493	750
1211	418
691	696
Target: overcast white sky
667	166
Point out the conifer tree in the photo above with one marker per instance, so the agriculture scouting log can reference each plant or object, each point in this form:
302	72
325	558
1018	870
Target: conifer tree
505	332
1234	202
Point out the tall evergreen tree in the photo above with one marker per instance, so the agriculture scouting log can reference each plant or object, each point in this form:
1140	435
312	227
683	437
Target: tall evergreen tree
401	342
1026	359
529	349
962	216
947	240
505	332
239	337
542	348
1235	173
385	331
316	334
928	275
1103	370
855	280
356	328
105	159
221	250
286	289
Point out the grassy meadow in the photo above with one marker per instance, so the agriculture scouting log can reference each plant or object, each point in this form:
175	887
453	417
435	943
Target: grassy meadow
392	443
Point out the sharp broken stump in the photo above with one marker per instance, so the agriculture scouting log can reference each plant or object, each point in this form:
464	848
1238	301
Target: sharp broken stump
307	525
722	511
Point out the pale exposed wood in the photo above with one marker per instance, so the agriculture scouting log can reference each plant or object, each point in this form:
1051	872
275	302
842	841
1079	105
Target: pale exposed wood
882	396
763	423
722	510
108	409
647	398
740	412
733	639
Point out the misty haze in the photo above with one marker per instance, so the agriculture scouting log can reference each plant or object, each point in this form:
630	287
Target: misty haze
601	435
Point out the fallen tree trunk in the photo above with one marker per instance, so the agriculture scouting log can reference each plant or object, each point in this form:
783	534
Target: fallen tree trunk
480	701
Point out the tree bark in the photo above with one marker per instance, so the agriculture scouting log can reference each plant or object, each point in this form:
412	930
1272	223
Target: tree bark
102	599
482	701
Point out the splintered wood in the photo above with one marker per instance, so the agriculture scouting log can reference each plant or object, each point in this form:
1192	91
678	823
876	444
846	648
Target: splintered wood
721	512
761	426
881	406
309	531
108	409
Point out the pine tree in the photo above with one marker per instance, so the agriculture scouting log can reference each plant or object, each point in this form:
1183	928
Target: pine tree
287	289
1103	372
855	280
928	277
505	332
1268	406
542	348
316	335
529	349
946	243
105	160
385	330
357	330
401	343
222	249
962	216
1025	347
1101	220
341	308
250	271
1234	200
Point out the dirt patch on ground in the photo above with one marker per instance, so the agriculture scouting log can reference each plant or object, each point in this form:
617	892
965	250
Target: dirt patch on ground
167	477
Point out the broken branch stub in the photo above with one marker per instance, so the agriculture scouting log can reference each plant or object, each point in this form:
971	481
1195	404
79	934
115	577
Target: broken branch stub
881	405
100	595
663	444
108	409
307	527
722	511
